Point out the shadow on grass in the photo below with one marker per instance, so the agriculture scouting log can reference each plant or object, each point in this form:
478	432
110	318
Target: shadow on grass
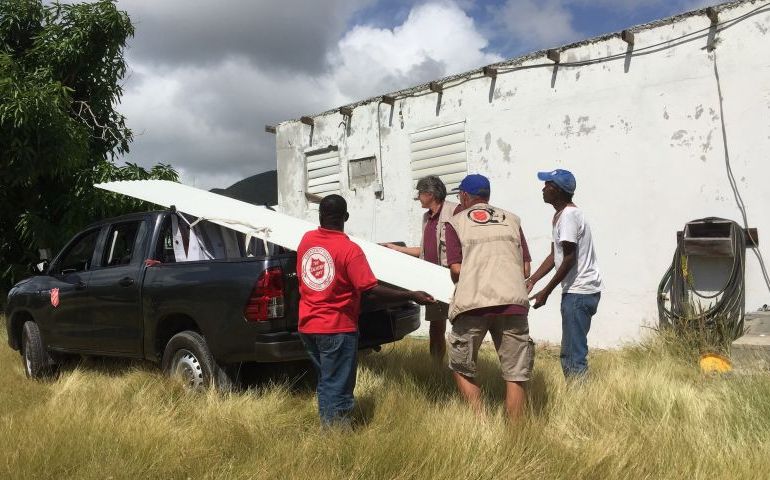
363	413
298	376
107	366
413	367
406	366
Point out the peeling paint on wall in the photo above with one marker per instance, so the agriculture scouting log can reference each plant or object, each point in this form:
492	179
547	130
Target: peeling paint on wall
680	139
505	148
584	128
698	112
706	146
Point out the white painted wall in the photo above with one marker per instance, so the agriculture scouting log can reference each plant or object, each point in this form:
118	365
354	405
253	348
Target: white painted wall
643	135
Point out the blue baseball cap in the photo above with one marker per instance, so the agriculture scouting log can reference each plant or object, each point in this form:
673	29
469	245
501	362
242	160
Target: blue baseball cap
474	184
562	178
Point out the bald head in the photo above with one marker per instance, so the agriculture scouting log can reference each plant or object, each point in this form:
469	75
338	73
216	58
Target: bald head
333	212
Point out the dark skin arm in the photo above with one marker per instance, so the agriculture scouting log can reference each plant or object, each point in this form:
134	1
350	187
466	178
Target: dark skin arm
383	293
454	271
541	271
570	260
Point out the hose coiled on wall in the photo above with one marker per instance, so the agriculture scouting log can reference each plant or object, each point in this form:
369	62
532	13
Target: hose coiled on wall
728	305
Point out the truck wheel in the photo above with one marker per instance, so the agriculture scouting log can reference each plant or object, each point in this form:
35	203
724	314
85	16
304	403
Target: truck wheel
188	357
37	362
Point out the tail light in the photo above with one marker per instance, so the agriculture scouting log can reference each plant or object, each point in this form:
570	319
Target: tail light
266	300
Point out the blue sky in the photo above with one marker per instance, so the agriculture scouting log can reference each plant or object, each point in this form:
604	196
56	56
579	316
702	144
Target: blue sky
205	77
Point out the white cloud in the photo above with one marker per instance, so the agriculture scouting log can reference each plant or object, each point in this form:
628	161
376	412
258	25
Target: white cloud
437	39
207	118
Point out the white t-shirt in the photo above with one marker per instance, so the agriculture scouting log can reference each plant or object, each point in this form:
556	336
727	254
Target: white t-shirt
584	277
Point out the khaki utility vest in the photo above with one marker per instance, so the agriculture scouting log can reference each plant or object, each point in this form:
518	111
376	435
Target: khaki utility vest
492	268
447	211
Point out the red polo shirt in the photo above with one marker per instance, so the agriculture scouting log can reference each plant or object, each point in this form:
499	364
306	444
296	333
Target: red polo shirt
333	273
429	246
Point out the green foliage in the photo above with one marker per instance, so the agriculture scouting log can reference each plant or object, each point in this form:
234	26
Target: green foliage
60	72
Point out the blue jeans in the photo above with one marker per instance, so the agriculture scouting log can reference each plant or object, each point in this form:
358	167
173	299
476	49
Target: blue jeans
576	312
334	356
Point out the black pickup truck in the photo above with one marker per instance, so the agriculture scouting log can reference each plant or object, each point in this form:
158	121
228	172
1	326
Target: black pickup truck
120	288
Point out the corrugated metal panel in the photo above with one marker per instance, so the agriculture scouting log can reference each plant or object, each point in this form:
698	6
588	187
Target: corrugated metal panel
440	151
323	172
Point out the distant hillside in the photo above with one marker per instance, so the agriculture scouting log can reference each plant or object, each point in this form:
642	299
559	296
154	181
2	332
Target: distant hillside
259	189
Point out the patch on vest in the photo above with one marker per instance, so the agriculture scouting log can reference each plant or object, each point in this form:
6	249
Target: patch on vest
484	216
317	269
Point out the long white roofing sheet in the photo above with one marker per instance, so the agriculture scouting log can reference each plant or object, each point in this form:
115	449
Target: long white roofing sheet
388	265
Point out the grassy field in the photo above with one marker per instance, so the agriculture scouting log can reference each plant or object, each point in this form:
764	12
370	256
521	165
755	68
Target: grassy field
646	412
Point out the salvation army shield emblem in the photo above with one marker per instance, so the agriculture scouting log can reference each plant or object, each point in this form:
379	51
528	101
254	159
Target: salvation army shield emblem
55	297
317	267
480	216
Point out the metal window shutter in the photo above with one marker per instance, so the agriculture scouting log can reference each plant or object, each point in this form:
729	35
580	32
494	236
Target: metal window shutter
323	172
440	151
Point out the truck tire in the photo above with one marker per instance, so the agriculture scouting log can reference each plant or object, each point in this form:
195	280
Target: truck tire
188	357
37	362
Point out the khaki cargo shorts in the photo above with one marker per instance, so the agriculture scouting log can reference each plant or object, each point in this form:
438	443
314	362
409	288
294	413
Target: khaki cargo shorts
510	334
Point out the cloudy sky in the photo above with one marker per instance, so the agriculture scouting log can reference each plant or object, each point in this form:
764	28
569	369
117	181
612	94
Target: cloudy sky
206	76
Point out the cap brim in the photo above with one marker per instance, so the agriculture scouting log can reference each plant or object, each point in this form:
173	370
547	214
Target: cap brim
543	176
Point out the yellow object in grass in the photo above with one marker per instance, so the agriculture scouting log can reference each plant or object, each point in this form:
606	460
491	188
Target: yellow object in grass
715	363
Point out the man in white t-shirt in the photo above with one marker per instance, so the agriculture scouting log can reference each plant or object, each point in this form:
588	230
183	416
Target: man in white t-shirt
574	257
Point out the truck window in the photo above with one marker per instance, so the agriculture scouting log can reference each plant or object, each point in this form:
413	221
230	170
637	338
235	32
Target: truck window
220	241
165	247
119	245
78	256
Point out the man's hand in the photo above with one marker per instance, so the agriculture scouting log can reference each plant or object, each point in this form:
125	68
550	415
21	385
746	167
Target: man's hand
391	246
422	298
540	298
529	284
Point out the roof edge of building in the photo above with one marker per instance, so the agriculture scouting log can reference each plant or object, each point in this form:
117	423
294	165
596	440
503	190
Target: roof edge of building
409	91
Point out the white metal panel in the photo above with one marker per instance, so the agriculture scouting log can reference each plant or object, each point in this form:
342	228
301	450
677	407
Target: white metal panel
388	265
436	132
452	139
440	151
323	172
455	158
328	179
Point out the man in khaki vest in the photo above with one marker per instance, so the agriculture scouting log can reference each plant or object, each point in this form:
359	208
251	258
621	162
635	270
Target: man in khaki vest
431	193
486	253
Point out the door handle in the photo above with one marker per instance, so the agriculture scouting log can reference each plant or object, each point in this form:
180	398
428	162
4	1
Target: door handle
80	285
126	282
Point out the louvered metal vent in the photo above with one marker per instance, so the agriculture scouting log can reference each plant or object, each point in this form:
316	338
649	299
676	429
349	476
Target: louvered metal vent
323	171
440	151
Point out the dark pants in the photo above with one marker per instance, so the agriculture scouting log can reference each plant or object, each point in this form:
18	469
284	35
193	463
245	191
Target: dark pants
334	356
576	312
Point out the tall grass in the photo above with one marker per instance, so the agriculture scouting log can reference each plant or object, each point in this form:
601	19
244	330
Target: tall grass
645	412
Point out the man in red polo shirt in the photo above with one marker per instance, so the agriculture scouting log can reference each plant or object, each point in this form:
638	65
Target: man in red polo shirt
334	274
